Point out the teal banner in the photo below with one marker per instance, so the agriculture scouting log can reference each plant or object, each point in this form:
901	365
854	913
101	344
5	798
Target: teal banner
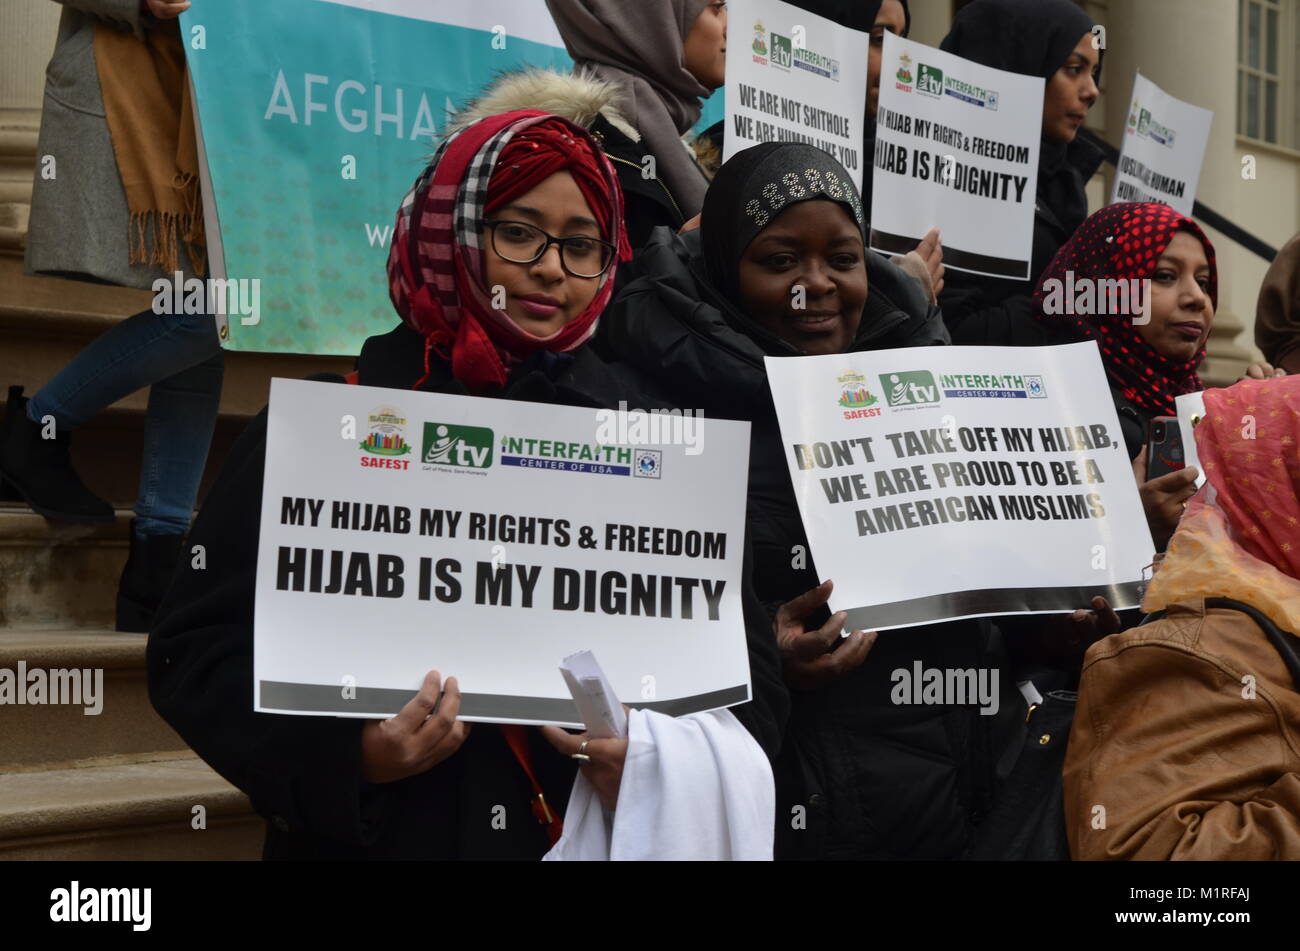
315	117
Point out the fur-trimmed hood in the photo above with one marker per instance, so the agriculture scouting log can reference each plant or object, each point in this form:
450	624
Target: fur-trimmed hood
578	96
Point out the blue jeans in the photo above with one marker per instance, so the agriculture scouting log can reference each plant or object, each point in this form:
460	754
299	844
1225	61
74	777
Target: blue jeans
180	358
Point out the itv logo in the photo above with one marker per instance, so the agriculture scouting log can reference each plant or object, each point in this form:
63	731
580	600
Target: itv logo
929	80
911	388
467	446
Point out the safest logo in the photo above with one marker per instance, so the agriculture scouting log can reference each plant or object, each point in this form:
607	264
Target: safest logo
385	439
904	74
858	401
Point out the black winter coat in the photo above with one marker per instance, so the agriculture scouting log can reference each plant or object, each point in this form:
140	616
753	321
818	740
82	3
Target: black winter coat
875	780
647	202
303	774
994	312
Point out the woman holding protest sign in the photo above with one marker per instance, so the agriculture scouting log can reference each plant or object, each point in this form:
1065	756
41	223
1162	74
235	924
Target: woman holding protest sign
1053	39
1139	278
662	58
519	210
779	268
876	18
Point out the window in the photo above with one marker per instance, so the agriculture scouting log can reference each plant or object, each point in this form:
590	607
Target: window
1261	52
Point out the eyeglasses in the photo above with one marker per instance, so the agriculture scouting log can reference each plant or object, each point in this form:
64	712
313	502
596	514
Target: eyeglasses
521	243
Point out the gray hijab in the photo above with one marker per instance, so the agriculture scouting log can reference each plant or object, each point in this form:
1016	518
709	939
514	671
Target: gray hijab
638	46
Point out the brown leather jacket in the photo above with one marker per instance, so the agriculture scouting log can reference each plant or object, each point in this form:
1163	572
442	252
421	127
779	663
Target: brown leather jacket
1173	755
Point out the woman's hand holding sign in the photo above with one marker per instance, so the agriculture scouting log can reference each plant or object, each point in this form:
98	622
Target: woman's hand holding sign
604	767
423	734
925	264
809	657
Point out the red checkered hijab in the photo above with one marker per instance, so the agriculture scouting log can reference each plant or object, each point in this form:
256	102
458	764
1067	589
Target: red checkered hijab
1124	242
436	261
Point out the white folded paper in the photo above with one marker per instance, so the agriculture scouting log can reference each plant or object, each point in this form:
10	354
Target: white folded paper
598	705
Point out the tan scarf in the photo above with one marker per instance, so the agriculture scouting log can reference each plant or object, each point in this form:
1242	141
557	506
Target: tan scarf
150	116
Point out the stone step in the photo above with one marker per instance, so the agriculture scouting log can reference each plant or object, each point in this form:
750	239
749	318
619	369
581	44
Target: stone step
59	575
126	808
52	733
45	322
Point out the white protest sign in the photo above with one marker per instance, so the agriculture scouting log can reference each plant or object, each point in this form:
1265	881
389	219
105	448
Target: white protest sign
1191	409
404	532
1164	144
793	76
949	482
957	148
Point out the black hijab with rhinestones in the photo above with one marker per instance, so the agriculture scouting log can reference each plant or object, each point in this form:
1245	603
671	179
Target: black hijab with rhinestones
752	188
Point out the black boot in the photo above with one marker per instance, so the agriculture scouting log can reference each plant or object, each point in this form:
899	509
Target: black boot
40	470
145	579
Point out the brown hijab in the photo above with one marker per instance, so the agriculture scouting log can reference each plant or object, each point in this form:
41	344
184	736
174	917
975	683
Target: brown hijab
1277	315
639	46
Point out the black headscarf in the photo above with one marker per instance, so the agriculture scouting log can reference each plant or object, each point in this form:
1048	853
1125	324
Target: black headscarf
1031	37
858	15
752	188
855	14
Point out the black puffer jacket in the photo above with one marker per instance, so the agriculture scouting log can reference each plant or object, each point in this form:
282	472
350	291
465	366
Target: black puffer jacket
698	353
647	202
875	780
303	773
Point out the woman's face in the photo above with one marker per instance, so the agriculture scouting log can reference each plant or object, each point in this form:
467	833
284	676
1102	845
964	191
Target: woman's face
804	278
1070	93
542	297
705	54
1181	309
890	19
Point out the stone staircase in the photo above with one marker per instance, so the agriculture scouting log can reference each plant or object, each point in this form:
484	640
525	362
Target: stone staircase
120	784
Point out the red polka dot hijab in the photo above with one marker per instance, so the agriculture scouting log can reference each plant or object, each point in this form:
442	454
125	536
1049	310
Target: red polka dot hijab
1123	242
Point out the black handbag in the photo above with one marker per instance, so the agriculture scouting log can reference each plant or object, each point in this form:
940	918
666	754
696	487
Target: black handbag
1027	822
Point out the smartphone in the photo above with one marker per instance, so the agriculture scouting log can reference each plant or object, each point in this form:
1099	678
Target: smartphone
1164	447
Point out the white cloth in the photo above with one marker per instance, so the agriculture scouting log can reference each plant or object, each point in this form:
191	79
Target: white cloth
694	788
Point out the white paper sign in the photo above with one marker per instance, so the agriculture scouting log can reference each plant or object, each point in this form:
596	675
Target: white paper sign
594	696
949	482
1191	408
404	532
1164	145
793	76
956	147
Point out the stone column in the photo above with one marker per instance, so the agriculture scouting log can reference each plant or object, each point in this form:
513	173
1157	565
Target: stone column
930	20
1189	49
27	32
